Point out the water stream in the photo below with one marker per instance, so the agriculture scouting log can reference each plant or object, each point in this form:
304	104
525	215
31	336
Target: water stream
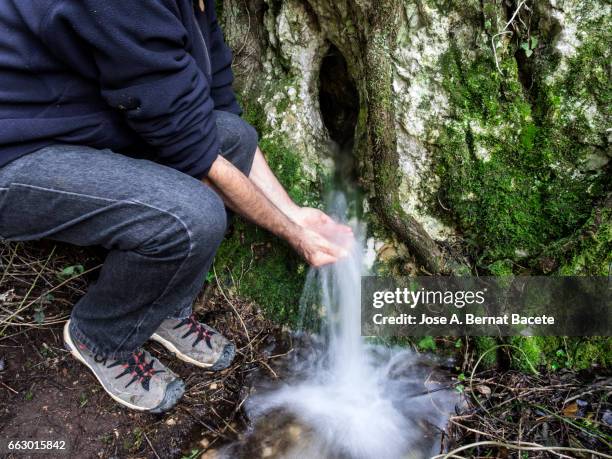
340	396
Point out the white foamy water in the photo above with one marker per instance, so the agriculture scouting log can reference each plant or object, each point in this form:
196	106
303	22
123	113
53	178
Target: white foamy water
355	400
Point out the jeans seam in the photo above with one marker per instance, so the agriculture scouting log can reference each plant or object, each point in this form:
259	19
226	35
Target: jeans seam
114	201
134	202
189	236
71	193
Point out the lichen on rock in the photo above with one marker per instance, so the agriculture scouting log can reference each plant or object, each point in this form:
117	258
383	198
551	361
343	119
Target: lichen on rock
479	126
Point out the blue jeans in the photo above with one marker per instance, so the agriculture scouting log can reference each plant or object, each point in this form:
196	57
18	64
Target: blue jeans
162	229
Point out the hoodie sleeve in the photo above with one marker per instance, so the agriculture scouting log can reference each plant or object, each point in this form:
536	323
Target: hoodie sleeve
221	61
145	72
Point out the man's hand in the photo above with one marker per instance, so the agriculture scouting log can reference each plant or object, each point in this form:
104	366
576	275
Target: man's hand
321	223
316	249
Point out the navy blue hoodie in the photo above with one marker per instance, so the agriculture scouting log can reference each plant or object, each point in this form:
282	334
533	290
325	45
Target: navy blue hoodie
129	75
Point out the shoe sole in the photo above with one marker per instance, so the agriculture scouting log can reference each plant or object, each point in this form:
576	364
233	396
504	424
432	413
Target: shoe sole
227	355
173	392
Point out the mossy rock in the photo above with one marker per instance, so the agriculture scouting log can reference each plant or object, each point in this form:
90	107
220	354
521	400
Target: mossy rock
513	167
555	353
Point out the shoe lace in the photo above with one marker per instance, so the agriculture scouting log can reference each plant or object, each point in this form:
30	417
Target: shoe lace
202	333
135	366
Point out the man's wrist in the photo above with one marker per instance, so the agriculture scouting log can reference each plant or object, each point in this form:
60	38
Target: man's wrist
292	212
290	230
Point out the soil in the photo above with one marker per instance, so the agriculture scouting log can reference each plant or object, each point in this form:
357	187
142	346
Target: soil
47	395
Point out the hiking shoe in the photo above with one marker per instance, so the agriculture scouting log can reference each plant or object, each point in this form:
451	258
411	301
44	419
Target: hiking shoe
139	382
195	343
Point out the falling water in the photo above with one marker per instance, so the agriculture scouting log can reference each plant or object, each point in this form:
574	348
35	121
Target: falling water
349	399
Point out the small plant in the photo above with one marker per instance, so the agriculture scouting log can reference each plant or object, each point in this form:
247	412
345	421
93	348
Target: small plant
192	454
70	271
83	400
529	46
39	314
134	441
427	344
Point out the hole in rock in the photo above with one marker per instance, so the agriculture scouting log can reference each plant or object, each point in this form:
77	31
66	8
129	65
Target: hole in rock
338	99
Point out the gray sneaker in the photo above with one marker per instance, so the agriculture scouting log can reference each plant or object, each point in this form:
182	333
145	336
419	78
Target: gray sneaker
195	343
139	382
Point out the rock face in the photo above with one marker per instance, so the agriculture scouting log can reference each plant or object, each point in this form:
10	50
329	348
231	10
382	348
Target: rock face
480	126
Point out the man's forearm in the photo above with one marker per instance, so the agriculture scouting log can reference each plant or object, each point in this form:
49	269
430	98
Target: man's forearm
245	198
262	176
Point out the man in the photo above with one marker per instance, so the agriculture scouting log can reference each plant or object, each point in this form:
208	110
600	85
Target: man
119	127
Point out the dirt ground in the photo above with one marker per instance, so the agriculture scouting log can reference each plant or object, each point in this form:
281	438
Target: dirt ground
46	395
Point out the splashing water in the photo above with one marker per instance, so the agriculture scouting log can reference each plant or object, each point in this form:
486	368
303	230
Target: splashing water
350	400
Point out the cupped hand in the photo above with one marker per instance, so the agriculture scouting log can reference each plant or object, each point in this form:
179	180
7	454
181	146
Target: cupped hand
321	223
317	250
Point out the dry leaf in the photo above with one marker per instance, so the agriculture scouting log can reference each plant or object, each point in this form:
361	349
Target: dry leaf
570	410
484	390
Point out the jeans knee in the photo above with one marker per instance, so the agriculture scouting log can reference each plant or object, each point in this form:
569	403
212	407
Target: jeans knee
192	228
250	139
207	222
238	140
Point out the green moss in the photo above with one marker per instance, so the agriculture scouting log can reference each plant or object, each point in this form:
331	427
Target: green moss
287	167
589	252
501	268
255	265
555	353
508	161
485	344
219	10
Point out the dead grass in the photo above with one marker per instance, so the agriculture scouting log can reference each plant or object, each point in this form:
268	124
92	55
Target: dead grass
513	414
39	283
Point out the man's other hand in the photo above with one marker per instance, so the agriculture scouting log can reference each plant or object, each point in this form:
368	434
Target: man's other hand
321	223
316	249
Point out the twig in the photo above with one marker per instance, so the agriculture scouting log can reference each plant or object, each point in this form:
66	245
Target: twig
480	360
14	252
511	445
573	424
246	331
9	388
485	434
503	32
21	308
151	445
